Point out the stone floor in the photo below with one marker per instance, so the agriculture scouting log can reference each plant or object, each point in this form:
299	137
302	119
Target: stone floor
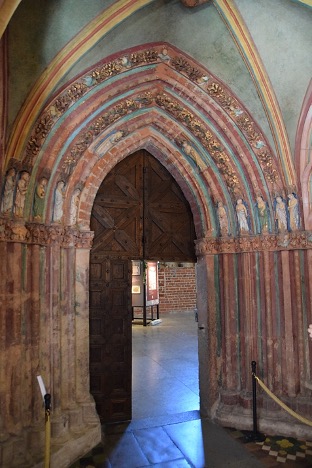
166	430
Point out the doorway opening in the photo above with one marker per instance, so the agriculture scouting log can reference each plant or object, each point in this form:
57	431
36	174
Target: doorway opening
139	212
165	353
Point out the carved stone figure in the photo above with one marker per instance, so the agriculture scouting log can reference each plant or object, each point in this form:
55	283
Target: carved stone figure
293	209
21	191
223	219
262	215
280	215
8	194
203	80
283	240
189	150
163	55
117	136
58	202
39	198
242	216
74	207
125	62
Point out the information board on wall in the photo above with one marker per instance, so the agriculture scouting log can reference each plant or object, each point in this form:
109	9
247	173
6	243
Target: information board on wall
144	272
137	283
152	293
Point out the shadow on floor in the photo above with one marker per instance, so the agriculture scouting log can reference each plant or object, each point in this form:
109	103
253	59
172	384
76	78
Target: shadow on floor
166	430
188	441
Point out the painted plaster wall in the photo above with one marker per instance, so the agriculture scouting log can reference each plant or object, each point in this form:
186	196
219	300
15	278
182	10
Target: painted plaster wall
199	32
37	31
284	41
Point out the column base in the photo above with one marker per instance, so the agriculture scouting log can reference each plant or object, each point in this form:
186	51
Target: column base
268	422
74	433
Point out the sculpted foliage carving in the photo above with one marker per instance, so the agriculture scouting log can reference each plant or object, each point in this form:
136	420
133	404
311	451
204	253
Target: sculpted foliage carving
272	242
41	234
264	214
149	56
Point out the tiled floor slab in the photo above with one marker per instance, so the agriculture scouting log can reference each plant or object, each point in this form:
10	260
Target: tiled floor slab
165	367
184	441
166	430
206	445
157	446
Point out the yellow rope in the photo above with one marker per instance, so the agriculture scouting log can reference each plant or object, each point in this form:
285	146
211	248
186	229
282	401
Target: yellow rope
277	400
47	454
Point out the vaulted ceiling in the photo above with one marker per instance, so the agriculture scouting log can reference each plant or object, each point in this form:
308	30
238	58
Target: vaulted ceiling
251	155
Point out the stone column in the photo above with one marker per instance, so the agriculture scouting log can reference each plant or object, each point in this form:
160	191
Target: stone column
33	268
229	323
12	401
249	319
268	309
3	431
289	354
82	324
31	325
58	354
13	340
68	334
82	333
208	333
3	91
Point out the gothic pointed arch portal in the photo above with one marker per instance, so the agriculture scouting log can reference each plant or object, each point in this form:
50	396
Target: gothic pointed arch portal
249	238
139	213
154	96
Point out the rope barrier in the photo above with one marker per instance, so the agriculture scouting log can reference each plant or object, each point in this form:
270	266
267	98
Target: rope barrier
47	454
279	402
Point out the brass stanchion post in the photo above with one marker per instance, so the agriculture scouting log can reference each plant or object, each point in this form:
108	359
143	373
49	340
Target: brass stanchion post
47	452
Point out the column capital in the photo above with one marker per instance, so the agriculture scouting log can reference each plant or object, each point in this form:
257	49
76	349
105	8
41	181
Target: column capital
42	234
271	242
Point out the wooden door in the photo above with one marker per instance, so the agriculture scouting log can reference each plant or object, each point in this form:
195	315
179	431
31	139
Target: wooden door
118	210
110	337
139	213
168	223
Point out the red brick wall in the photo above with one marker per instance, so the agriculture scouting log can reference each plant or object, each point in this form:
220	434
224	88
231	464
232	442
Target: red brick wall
177	288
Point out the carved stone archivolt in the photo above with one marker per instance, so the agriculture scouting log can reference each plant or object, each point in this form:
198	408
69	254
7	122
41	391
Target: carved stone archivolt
290	241
40	234
179	112
209	151
214	89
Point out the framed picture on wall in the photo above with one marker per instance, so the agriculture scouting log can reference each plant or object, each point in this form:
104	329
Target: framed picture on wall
136	268
136	289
